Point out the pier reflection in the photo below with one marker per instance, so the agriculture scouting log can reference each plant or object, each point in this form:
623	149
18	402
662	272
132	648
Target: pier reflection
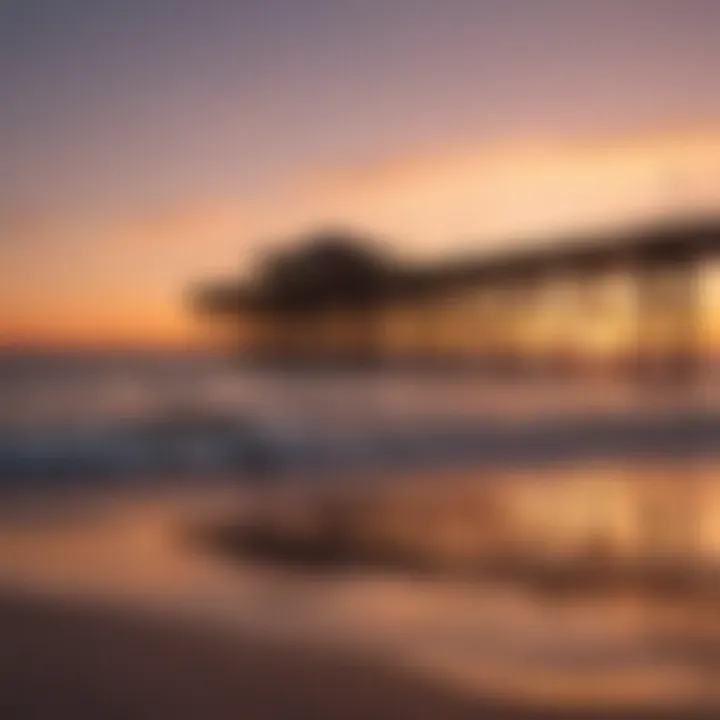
556	587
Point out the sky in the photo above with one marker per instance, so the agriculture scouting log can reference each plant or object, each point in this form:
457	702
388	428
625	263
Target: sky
148	143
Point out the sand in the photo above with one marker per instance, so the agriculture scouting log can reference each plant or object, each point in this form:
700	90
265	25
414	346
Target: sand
63	661
106	613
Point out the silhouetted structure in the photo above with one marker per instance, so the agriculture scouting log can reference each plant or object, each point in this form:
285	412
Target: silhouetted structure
334	300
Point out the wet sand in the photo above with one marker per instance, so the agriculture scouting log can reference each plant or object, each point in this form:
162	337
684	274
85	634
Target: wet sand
61	661
107	612
64	661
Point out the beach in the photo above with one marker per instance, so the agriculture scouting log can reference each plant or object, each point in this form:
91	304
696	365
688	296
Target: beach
114	601
359	359
109	610
61	661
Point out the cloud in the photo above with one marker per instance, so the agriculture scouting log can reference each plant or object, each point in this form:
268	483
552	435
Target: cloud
478	196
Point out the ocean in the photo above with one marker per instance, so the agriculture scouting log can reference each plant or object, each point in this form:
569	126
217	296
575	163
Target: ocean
120	416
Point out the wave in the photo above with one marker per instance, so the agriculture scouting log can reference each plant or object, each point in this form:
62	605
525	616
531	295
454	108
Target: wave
185	443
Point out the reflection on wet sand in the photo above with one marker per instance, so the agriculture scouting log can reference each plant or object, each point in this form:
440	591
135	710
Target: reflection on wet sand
606	643
638	522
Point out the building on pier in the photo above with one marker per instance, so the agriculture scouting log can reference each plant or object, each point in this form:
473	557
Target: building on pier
623	299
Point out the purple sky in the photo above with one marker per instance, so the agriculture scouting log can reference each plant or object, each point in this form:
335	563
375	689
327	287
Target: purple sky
113	102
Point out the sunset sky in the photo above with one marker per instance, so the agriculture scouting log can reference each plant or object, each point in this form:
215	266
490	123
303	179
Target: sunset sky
147	143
